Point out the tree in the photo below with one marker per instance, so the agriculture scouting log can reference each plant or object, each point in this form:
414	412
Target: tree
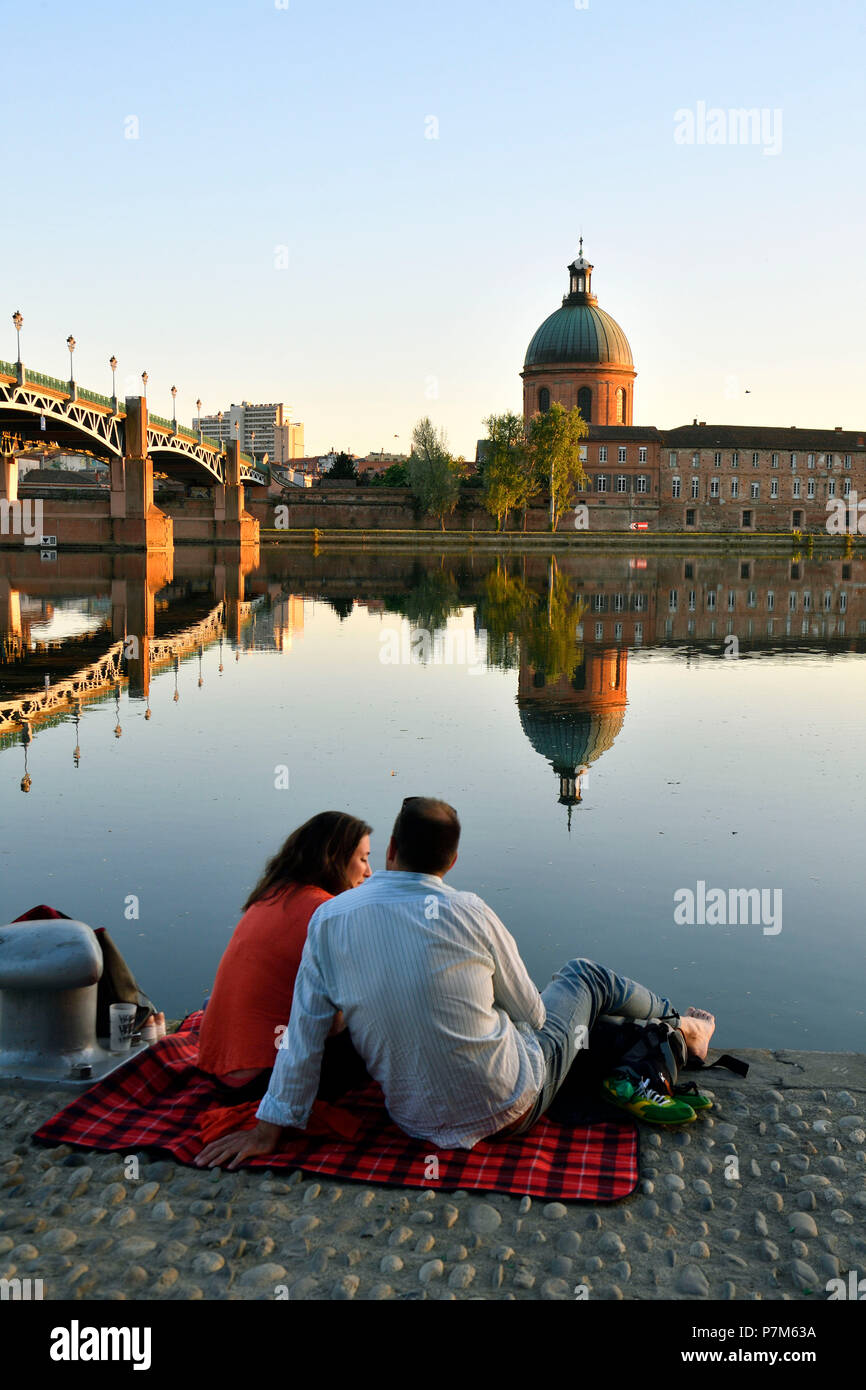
394	476
504	467
434	476
554	445
343	467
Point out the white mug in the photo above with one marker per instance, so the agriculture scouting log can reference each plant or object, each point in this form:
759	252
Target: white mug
122	1018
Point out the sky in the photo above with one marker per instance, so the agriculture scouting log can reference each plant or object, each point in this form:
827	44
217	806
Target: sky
365	210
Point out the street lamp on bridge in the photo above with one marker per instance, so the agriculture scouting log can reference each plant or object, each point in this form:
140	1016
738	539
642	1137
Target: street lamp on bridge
220	419
174	408
198	422
253	444
70	343
144	380
112	362
18	321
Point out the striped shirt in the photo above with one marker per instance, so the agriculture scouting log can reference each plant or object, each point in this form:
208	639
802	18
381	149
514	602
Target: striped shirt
437	1002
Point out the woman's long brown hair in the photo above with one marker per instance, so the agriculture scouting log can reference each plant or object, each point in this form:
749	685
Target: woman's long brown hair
318	852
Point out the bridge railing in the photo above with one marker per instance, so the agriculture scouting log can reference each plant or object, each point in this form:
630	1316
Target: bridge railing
93	396
40	379
8	369
153	419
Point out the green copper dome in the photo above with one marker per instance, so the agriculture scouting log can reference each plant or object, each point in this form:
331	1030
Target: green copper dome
579	331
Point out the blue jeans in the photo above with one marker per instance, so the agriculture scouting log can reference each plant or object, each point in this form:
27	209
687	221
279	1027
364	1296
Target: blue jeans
576	997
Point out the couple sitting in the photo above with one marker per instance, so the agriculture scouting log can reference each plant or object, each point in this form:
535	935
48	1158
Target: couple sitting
409	981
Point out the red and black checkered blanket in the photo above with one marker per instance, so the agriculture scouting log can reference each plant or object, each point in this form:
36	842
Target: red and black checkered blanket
160	1100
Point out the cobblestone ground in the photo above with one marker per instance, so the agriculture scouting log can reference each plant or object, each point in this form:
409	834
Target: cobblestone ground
762	1198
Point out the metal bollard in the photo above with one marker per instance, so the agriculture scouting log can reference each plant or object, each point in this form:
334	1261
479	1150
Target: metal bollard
49	971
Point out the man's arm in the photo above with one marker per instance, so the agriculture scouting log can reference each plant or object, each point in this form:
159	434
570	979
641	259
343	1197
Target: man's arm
513	990
295	1078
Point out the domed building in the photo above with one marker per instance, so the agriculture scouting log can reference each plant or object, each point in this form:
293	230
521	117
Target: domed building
573	720
580	357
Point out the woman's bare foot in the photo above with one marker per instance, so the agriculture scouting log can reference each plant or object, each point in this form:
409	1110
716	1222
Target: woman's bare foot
697	1027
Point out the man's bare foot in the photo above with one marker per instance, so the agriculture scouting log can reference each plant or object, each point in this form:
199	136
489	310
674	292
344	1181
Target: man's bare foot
697	1027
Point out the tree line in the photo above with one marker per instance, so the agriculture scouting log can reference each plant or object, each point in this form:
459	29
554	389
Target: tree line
519	463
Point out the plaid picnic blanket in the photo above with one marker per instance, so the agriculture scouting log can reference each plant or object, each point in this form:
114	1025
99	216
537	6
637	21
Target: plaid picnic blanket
159	1100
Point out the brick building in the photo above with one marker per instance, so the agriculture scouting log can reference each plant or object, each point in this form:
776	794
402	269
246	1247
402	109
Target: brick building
732	478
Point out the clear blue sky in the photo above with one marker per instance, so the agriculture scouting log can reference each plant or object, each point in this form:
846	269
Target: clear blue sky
419	268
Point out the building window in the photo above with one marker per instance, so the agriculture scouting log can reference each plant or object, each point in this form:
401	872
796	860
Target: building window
745	570
797	520
793	460
771	600
847	460
696	486
620	405
756	490
774	487
775	460
617	632
717	459
690	516
599	603
828	600
846	488
751	598
601	482
792	602
673	600
831	488
711	600
735	487
810	462
638	633
696	460
675	487
796	487
641	483
714	487
843	603
602	453
669	627
641	454
621	483
618	603
692	600
621	454
732	600
830	460
735	459
599	631
747	519
543	400
810	490
672	460
807	601
584	403
756	459
638	603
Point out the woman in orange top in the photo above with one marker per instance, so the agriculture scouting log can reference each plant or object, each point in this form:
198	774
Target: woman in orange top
249	1008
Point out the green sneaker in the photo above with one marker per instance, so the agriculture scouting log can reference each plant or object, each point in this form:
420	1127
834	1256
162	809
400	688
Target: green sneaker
644	1102
689	1092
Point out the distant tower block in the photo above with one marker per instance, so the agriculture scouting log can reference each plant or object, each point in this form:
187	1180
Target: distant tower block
580	357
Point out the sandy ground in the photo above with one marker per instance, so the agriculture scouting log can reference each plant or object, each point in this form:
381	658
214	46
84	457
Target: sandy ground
764	1197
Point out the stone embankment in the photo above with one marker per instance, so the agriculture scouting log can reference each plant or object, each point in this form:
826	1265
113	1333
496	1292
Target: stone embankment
762	1198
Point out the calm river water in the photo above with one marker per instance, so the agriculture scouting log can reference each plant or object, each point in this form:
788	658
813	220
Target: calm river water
633	745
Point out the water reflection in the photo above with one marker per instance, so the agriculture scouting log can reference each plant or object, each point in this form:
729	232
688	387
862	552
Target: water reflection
605	703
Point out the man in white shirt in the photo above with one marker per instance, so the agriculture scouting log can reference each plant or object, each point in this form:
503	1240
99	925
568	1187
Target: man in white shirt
438	1003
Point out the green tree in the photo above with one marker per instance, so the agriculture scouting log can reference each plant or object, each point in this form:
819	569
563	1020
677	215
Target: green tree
554	446
343	467
508	478
394	476
434	476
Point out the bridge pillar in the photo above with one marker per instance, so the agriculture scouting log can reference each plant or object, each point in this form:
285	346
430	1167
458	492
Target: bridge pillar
231	522
10	608
8	478
135	522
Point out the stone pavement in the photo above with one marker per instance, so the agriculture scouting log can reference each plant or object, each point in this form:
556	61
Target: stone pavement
764	1197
